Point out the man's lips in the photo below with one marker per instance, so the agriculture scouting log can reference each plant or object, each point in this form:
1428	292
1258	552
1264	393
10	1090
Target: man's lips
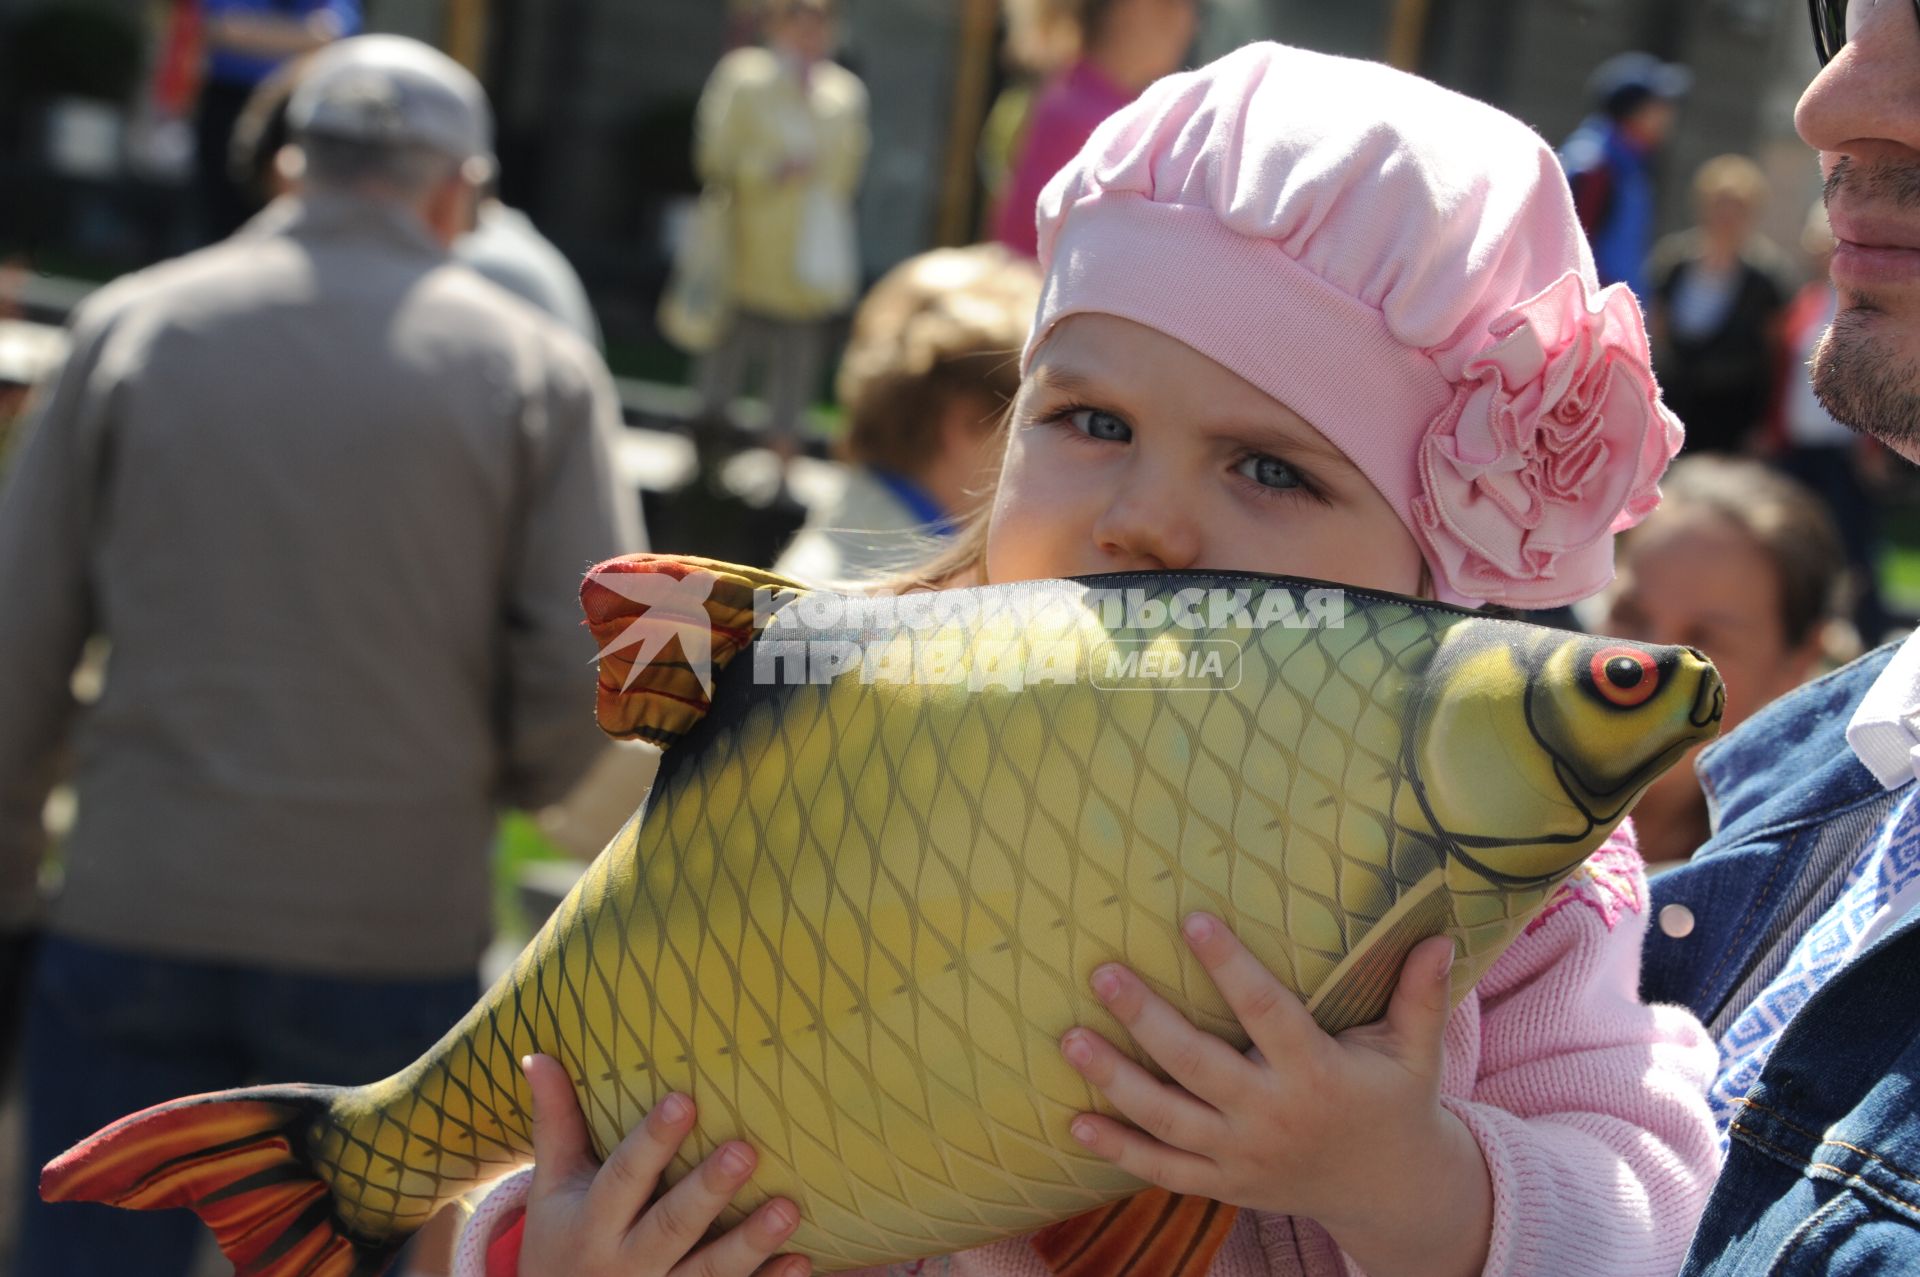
1871	230
1874	250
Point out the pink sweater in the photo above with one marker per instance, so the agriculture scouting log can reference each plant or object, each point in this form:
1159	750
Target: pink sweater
1589	1106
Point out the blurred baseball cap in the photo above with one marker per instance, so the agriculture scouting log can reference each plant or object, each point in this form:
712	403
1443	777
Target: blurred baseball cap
388	89
1627	79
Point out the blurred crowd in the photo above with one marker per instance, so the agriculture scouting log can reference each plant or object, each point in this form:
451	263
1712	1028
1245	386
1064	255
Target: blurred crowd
323	563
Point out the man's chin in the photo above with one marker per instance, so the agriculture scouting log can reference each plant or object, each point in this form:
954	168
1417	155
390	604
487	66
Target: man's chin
1866	371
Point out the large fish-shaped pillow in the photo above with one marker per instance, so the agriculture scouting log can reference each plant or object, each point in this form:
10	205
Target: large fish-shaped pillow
890	839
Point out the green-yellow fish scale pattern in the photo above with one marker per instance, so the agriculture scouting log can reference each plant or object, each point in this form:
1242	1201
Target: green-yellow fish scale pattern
856	918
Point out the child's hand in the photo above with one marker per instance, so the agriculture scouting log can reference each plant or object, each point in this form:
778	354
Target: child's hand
588	1220
1346	1131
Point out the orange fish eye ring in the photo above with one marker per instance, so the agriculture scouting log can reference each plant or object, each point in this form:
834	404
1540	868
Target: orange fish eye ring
1624	676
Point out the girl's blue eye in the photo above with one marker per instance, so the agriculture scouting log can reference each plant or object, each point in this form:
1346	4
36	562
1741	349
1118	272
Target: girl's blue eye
1096	424
1270	472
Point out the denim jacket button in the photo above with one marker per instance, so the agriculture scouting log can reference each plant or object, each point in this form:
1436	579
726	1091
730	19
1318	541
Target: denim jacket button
1676	922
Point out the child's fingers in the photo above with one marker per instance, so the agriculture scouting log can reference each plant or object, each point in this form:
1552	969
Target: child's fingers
744	1250
1417	1014
1197	1060
1273	1016
562	1149
787	1266
1165	1112
633	1170
674	1225
1144	1158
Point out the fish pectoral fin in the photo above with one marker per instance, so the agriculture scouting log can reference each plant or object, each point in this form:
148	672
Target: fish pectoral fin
1358	990
666	625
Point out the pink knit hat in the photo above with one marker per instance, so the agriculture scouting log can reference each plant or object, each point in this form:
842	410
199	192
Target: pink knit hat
1401	266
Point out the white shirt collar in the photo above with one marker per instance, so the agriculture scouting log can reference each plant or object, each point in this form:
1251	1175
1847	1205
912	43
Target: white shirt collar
1885	730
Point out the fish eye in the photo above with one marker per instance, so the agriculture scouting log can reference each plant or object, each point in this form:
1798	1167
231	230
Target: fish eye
1624	676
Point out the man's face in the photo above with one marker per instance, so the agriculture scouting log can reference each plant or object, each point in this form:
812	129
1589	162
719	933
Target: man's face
1652	123
1862	113
1728	217
1160	32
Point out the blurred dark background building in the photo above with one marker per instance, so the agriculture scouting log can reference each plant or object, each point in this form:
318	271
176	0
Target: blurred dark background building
596	99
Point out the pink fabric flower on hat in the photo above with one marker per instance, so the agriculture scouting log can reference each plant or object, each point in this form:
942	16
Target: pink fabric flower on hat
1555	439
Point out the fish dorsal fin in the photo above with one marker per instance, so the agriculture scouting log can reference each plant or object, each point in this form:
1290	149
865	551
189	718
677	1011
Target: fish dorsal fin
666	625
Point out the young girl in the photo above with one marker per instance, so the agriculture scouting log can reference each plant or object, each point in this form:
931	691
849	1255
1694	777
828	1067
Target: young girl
1314	317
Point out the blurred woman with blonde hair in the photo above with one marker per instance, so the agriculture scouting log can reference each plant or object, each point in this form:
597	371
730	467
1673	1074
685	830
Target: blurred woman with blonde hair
782	138
1718	293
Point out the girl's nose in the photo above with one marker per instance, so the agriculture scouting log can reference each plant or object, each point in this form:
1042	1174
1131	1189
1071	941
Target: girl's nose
1149	527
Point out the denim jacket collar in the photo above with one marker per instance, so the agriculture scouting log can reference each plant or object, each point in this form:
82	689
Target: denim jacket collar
1803	734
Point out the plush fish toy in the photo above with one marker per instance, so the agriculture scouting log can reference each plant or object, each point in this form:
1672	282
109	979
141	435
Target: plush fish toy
889	841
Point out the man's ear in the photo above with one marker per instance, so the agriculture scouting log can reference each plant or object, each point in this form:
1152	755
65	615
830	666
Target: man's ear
290	167
452	208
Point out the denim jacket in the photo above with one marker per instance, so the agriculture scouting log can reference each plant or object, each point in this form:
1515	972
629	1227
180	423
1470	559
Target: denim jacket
1824	1172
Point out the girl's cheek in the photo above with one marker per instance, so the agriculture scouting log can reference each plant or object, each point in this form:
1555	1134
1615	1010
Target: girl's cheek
1019	539
1371	551
1377	552
1039	518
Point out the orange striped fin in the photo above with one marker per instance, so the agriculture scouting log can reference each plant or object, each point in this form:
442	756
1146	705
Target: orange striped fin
237	1160
1151	1234
667	625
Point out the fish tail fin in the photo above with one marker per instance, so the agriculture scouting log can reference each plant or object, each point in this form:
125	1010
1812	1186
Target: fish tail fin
667	624
241	1161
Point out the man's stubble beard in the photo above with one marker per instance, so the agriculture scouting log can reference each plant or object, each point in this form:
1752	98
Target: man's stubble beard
1864	383
1859	374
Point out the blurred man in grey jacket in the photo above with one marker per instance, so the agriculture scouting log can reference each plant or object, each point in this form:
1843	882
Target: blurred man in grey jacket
327	497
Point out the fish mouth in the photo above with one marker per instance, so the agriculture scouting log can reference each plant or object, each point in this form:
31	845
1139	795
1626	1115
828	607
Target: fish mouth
1709	699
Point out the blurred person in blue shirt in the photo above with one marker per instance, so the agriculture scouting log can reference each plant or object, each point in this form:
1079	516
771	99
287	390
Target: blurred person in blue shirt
1609	161
246	41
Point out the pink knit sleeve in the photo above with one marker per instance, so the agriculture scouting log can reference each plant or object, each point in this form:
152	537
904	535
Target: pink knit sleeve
1589	1105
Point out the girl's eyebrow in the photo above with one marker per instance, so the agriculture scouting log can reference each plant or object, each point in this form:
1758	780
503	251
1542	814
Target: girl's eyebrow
1305	443
1065	381
1285	438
